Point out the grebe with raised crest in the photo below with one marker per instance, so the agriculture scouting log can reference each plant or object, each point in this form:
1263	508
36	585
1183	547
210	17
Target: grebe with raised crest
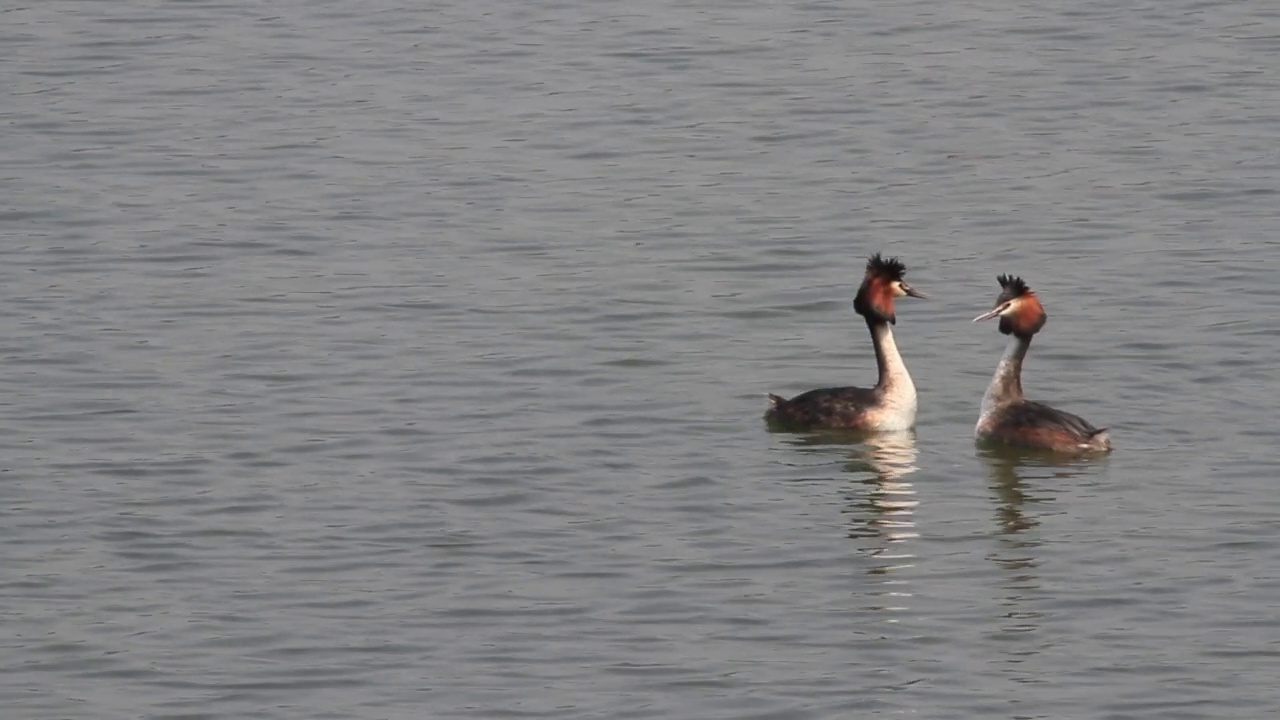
891	404
1009	418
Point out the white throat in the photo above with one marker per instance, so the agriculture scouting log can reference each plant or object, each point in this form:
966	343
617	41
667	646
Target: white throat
897	391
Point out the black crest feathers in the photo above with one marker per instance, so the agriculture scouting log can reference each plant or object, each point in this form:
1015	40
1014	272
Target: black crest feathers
1013	286
887	268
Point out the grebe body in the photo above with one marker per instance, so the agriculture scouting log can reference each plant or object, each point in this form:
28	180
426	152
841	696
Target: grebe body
1007	417
891	404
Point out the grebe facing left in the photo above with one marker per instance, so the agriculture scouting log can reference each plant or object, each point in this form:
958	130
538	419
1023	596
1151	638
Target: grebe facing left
891	404
1009	418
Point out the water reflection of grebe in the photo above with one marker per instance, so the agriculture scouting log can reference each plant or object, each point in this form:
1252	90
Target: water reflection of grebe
880	505
1007	485
1011	469
884	507
1015	554
1021	481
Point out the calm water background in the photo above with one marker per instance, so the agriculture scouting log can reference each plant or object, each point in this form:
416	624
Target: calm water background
363	361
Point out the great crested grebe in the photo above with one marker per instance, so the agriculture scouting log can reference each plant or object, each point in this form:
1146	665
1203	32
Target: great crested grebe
891	404
1009	418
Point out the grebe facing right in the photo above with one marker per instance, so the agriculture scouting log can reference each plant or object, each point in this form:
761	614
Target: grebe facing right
1009	418
891	404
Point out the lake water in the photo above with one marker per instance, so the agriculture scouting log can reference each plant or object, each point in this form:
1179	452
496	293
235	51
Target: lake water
364	360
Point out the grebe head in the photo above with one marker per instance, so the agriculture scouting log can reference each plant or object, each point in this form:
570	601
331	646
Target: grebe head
882	285
1018	308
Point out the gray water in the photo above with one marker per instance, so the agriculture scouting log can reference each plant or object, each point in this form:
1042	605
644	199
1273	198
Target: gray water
363	361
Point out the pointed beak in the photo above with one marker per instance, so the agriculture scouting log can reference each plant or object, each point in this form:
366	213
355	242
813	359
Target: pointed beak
988	315
913	292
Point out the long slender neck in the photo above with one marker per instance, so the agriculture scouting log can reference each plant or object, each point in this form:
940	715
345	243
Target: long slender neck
893	372
1006	384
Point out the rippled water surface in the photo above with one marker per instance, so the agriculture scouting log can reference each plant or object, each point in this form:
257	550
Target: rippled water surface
363	360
